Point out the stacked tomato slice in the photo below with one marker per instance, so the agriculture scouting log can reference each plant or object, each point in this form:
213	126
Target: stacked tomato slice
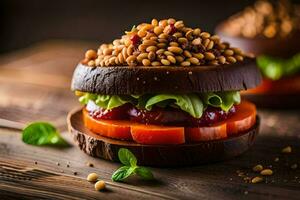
242	120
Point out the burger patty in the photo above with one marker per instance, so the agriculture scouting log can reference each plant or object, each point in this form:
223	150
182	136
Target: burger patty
161	116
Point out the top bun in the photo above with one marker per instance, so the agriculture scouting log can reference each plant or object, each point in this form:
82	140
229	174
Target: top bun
165	56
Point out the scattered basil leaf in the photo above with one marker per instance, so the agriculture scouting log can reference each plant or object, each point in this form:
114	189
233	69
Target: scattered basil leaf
122	173
42	133
130	167
144	173
126	157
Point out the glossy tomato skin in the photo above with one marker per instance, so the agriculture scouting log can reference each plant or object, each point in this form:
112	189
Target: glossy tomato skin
242	120
199	134
108	128
162	135
285	85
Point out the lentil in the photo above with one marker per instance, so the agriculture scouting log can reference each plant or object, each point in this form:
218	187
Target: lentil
186	53
154	22
155	63
257	168
197	32
196	41
266	172
91	54
209	56
146	62
231	59
179	59
91	63
100	185
165	62
151	48
151	56
194	61
287	149
92	177
257	179
165	42
171	59
185	63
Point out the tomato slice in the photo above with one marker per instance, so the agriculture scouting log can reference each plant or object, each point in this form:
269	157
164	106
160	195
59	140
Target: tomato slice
243	119
151	134
198	134
285	85
119	129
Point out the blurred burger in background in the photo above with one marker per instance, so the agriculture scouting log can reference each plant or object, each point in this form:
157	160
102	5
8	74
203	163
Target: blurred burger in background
270	30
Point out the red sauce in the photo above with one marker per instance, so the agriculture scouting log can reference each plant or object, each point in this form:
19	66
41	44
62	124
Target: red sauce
162	116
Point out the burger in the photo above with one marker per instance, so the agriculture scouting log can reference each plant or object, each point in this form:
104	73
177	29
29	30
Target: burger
270	30
168	93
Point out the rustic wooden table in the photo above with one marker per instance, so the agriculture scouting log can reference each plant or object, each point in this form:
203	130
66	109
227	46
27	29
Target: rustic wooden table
34	86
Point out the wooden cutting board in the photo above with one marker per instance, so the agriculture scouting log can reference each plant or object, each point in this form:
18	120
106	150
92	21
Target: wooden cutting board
34	85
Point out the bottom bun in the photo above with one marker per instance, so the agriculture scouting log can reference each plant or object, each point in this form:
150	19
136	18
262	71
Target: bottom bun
160	155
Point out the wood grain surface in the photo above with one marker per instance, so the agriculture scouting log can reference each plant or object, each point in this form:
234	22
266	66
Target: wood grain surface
34	85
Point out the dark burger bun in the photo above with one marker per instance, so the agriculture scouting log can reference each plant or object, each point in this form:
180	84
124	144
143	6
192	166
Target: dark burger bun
125	80
159	155
279	47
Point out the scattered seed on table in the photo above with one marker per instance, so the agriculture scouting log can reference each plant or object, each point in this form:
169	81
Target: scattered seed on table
287	149
35	162
276	159
257	179
75	173
100	185
92	177
257	168
266	172
294	166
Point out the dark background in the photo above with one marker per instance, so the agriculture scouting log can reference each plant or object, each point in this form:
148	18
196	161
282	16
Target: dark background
24	22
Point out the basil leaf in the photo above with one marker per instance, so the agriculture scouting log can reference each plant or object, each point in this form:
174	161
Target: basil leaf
42	133
144	173
122	173
126	157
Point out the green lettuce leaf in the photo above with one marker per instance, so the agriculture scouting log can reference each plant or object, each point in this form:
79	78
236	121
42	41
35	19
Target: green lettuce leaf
194	104
223	100
275	68
104	101
190	103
